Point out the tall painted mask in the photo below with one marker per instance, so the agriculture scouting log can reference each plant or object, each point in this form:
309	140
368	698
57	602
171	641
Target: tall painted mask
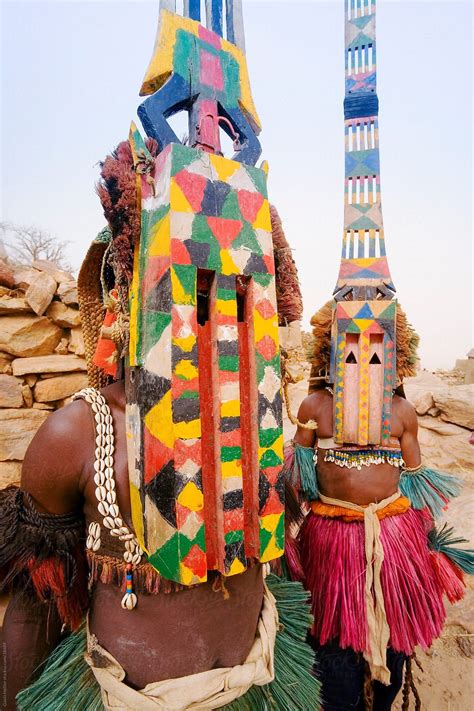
204	411
363	362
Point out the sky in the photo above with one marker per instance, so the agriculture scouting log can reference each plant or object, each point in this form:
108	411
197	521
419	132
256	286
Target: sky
70	76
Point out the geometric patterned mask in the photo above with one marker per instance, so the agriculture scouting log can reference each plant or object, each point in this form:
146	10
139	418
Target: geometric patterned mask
363	362
204	409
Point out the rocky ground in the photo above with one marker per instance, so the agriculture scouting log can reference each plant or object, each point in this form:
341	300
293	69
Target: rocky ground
445	408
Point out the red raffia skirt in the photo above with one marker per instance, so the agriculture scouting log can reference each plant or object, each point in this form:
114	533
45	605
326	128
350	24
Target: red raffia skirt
333	560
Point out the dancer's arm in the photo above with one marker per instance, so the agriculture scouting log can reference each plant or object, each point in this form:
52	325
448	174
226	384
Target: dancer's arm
51	482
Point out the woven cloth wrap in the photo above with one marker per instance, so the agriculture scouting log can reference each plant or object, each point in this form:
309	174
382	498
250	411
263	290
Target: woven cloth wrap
378	629
207	690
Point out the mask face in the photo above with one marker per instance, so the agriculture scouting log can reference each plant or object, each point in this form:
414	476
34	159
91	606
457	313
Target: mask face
363	370
204	409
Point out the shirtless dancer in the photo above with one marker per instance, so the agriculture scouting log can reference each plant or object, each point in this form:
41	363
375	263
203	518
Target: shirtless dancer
376	585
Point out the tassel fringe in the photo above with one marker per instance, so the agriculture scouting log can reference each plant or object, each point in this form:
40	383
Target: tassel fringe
429	488
443	541
43	554
300	470
450	577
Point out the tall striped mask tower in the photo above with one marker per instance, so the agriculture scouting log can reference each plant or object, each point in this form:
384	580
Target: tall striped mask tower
204	409
363	359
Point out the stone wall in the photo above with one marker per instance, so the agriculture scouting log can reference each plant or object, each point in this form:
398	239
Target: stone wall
41	355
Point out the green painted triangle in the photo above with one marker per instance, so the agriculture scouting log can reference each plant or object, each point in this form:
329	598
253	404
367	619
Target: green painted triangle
166	559
280	533
230	209
258	178
389	312
247	238
270	459
201	231
155	324
214	260
361	39
268	437
265	538
198	540
263	279
352	328
186	274
361	22
181	157
363	223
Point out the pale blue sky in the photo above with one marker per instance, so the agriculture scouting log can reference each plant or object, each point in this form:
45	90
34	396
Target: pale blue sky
71	72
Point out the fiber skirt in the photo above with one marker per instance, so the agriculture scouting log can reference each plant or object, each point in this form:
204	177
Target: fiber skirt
333	559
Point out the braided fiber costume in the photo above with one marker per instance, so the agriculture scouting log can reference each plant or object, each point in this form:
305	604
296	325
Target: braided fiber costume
377	572
179	300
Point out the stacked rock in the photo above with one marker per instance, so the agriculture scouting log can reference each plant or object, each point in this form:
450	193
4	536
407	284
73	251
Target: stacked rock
41	354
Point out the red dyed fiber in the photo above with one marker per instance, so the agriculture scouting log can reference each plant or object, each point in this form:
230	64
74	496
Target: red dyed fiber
49	581
333	558
449	576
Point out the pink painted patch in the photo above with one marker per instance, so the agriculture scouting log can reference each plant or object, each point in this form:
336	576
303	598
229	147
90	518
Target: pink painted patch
182	513
210	37
269	263
155	269
230	439
156	455
265	308
184	451
249	204
267	347
224	230
178	322
233	520
273	505
180	386
227	376
193	187
272	474
179	252
210	70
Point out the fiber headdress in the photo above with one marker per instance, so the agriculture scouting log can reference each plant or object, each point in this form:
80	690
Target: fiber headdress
200	327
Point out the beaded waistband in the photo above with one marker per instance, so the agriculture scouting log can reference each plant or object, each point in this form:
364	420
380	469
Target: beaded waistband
358	458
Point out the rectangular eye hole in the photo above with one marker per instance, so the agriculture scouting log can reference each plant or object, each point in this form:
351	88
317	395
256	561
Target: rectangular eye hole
242	284
205	279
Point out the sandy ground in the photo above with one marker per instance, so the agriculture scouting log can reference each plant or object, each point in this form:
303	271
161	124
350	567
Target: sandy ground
447	680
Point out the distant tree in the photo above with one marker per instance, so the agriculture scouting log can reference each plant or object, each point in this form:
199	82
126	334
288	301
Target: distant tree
27	244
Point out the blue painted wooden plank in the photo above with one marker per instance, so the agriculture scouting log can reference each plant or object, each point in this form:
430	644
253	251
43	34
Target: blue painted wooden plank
239	33
229	20
192	9
216	25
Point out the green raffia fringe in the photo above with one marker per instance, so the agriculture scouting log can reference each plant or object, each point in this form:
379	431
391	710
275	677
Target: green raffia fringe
68	684
429	488
443	540
300	470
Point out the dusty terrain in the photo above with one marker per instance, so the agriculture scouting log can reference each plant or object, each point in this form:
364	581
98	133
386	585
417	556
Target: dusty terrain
447	680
